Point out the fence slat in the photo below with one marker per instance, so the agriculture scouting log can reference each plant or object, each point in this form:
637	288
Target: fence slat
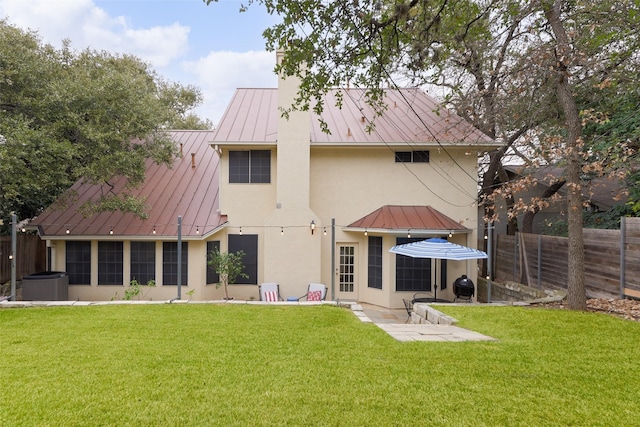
30	256
602	260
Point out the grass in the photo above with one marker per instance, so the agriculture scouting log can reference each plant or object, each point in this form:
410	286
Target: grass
195	365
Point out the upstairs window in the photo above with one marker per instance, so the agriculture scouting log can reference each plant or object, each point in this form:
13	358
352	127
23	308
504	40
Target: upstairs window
412	156
250	167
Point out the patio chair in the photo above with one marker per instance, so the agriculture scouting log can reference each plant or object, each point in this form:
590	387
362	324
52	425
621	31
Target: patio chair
422	297
269	292
315	292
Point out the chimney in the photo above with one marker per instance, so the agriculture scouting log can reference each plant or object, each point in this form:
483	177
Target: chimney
193	160
181	150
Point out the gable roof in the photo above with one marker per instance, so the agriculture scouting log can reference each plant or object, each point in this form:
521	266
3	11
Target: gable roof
423	219
602	191
181	189
411	116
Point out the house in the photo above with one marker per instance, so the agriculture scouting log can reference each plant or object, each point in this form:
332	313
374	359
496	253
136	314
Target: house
304	205
599	195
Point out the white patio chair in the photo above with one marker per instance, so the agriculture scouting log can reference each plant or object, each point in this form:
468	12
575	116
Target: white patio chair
315	292
269	292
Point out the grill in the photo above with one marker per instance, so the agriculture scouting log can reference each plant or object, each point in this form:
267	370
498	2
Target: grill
464	288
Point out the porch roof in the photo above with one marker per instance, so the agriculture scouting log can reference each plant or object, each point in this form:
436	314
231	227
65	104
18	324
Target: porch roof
405	219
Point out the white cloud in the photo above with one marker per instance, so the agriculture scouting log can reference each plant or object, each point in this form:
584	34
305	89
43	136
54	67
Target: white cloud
220	73
87	25
216	73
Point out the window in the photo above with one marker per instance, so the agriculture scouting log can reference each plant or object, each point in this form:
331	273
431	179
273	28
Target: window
249	244
143	261
78	262
443	274
110	263
212	276
252	166
170	263
412	156
375	262
412	274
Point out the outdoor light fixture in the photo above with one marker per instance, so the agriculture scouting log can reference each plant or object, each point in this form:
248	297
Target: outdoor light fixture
154	229
365	232
67	230
324	231
10	256
409	234
111	231
241	231
282	231
197	230
312	226
450	234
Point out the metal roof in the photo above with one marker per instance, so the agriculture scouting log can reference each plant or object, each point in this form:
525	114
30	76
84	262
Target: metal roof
406	218
189	188
411	117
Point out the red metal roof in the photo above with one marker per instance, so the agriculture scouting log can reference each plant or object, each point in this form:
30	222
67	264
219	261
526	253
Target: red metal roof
411	116
180	189
424	218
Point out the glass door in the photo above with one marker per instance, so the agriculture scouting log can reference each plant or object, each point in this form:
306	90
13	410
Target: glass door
346	269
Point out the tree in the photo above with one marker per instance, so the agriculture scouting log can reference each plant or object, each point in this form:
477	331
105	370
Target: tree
229	267
67	115
516	69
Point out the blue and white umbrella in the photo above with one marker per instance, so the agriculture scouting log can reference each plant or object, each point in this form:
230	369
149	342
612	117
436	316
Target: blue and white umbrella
438	249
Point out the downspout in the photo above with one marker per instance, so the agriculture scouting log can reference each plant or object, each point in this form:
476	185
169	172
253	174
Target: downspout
13	255
333	259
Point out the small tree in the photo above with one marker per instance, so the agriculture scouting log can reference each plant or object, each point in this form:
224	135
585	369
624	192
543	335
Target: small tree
228	266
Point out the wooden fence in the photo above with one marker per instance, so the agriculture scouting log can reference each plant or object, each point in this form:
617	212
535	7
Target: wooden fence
31	256
611	258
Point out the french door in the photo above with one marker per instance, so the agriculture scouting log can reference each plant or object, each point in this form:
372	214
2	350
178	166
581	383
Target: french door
346	269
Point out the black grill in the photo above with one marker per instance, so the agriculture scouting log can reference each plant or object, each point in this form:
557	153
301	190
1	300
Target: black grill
464	288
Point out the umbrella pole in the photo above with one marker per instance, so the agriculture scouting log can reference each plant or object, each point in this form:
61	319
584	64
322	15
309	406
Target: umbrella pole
435	282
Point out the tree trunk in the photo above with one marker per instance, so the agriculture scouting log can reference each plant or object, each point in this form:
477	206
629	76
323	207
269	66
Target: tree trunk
576	293
224	278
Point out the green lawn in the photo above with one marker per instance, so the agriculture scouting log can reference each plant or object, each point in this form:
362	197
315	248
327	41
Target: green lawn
201	365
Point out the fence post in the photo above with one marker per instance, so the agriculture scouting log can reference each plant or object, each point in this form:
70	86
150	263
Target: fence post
515	257
539	261
14	246
489	260
623	238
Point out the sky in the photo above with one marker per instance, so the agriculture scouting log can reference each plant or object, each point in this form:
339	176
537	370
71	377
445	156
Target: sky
215	47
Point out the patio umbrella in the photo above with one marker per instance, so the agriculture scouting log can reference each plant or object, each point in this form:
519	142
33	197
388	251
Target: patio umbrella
437	249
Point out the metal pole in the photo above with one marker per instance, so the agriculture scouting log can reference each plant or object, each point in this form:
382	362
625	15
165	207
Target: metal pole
623	263
489	260
333	259
179	256
13	255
